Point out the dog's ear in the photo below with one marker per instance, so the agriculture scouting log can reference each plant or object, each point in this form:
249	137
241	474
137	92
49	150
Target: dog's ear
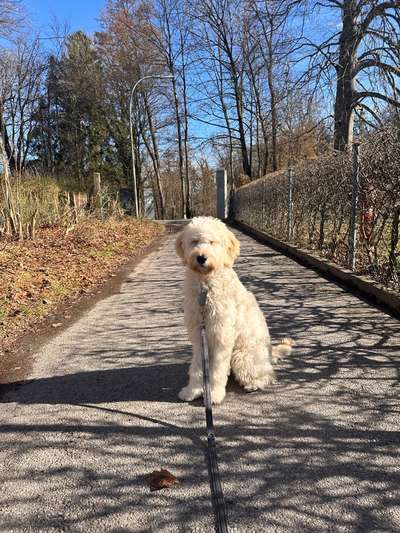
179	246
232	249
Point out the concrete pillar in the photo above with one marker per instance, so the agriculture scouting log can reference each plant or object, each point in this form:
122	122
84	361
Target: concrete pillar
222	194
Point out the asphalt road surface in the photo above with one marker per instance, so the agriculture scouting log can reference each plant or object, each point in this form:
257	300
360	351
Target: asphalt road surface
318	451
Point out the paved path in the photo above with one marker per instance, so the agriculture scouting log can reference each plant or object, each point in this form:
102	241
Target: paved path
317	452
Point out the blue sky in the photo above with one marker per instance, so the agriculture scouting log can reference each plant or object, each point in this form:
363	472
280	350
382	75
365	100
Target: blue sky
80	14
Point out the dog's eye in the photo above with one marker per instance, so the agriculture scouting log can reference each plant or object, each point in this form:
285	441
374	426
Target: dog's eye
195	241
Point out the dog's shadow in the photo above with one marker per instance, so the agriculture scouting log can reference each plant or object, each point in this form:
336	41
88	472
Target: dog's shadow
153	383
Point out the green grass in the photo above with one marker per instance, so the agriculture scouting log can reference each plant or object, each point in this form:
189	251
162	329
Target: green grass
106	253
59	289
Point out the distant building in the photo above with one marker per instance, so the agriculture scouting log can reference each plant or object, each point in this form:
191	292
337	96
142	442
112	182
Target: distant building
149	204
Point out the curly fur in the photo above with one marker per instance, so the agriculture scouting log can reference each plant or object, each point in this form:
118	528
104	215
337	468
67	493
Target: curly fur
237	333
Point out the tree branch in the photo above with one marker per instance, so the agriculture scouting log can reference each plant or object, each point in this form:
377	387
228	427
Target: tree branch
367	63
371	94
373	13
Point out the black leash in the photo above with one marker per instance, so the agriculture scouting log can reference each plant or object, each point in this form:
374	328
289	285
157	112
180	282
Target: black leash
217	496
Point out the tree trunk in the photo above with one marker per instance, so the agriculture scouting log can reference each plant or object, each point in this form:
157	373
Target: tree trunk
185	127
345	83
11	211
12	163
242	136
238	92
226	117
274	119
155	157
180	144
251	134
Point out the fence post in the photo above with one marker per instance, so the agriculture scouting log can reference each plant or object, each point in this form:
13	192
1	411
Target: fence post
290	206
231	204
96	183
354	205
263	206
222	194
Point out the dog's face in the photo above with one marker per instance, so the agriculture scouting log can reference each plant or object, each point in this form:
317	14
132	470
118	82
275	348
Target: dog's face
206	245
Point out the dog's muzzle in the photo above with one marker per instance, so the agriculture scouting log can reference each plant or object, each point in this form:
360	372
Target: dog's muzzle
201	259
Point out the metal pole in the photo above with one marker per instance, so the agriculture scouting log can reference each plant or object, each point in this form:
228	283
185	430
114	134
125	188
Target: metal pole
290	206
155	76
222	194
354	205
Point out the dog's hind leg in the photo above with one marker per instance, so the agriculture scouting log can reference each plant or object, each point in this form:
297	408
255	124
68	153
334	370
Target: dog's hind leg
252	369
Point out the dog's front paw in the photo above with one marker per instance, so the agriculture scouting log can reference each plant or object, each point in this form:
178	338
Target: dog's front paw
217	395
187	394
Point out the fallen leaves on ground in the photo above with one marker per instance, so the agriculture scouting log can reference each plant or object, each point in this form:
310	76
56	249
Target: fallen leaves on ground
36	276
161	479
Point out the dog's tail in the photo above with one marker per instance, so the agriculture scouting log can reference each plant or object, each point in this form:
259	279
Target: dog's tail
282	349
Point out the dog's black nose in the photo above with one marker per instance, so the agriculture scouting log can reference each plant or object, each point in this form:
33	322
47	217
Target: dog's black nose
201	259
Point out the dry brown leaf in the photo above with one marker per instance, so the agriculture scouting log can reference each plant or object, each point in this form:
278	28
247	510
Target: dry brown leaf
160	479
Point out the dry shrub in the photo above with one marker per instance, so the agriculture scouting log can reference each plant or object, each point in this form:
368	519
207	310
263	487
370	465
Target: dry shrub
38	200
322	190
43	201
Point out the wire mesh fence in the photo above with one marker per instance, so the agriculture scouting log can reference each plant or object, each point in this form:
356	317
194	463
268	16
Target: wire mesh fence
342	206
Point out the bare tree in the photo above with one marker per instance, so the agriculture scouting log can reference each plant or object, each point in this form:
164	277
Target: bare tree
128	53
27	69
364	55
171	37
271	17
149	134
9	22
215	103
11	14
13	223
221	21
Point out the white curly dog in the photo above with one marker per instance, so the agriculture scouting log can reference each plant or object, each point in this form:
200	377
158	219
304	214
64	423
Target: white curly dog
236	330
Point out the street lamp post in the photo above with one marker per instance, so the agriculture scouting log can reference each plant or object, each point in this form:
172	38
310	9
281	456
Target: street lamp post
131	134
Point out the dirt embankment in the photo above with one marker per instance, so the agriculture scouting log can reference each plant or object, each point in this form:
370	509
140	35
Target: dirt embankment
40	279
